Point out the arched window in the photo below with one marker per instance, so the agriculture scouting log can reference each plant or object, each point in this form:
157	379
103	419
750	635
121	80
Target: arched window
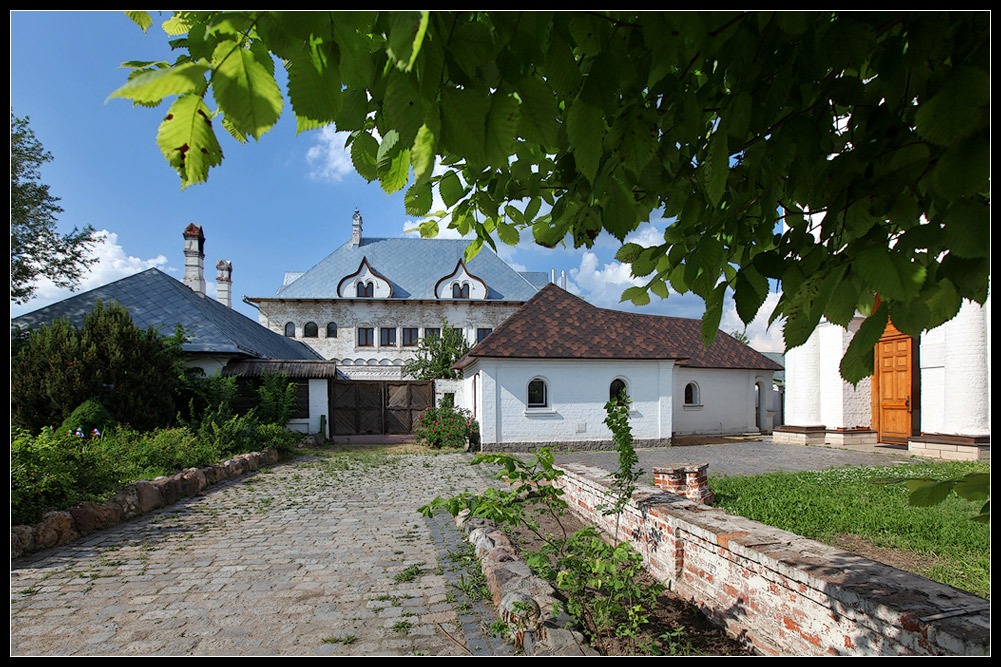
538	394
310	330
460	291
691	394
617	389
331	330
290	329
365	289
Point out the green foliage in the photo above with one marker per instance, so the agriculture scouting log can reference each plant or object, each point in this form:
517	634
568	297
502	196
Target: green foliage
866	134
844	501
204	397
617	421
928	492
276	399
36	248
158	452
130	371
87	417
52	471
444	426
435	355
602	586
600	580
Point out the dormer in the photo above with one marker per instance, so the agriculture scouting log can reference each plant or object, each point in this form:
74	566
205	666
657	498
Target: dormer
364	283
460	285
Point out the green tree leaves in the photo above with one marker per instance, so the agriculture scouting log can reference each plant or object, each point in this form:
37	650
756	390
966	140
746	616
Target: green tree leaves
36	248
838	155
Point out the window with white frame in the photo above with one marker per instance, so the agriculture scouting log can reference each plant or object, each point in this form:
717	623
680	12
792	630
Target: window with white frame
538	394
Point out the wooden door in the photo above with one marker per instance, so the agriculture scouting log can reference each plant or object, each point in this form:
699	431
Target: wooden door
894	393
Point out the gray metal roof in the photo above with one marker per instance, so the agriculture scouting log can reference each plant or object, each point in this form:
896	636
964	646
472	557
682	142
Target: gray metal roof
413	266
155	299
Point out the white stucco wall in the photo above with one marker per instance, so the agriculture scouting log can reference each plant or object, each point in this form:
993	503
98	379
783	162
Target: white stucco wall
955	378
956	373
577	393
726	400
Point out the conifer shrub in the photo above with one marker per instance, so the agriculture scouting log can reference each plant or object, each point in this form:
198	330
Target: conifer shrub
132	372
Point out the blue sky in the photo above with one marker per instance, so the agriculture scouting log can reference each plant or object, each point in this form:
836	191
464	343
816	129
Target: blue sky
280	204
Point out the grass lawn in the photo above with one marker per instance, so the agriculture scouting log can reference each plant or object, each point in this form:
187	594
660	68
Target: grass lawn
842	507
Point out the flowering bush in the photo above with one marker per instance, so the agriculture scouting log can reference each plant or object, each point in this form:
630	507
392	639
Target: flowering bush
444	426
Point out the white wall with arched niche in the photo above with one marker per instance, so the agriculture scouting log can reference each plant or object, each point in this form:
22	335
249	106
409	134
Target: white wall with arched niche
460	284
377	286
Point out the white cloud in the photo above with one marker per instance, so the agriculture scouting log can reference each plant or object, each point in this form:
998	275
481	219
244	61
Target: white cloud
330	159
112	264
601	285
646	235
761	337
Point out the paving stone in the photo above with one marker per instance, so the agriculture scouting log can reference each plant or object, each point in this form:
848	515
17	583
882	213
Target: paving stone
273	567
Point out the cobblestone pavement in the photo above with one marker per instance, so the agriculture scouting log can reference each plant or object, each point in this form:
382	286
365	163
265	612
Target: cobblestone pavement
320	556
749	457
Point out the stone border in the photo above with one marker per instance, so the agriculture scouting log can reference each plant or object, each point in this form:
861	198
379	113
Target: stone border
63	526
525	602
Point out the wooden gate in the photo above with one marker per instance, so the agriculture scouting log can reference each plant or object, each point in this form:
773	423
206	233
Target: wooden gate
895	394
377	408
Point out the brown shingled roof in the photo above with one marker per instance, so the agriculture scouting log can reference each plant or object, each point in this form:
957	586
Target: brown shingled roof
555	324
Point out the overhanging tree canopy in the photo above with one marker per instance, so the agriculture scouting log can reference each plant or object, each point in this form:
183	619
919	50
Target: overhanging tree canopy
866	134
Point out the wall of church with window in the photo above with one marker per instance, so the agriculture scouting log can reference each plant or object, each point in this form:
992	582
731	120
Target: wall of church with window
561	402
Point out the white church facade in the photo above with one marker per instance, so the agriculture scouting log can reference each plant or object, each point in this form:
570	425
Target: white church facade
932	394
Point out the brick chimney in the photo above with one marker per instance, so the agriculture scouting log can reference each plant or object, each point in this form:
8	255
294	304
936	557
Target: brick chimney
224	283
356	229
194	258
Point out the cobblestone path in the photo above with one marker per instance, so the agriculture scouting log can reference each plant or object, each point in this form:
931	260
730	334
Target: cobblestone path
320	556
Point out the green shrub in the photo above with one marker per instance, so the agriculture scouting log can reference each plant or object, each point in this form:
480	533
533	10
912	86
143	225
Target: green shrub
160	452
273	436
200	397
56	471
276	399
88	416
131	371
235	435
444	426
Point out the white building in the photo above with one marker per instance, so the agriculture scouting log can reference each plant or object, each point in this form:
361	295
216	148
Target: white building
544	376
932	394
368	304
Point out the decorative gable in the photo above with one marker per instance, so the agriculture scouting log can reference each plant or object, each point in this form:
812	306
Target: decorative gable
460	284
364	283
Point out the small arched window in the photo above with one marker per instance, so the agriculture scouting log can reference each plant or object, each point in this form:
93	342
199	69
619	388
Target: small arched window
332	330
310	330
364	289
617	390
290	329
460	291
691	394
538	394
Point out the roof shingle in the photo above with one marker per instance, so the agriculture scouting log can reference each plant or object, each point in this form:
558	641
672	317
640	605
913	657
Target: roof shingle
555	324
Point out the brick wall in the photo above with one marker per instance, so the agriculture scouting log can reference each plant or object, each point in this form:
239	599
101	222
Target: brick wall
783	593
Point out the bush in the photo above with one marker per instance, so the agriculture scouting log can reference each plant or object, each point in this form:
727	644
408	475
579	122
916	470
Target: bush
88	416
445	426
160	452
131	371
279	438
51	471
276	399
